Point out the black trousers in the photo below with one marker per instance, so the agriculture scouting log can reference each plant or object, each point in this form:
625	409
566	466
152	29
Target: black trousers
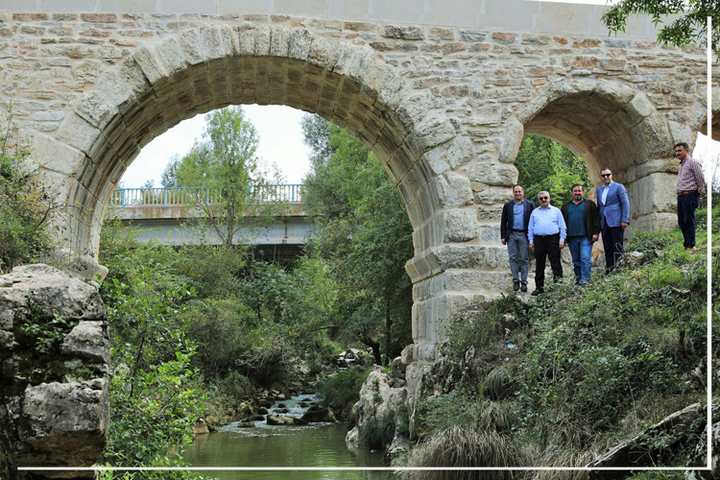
686	217
547	246
613	245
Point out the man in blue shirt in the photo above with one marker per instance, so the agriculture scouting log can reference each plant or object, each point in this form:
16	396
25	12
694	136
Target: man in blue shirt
583	228
513	233
546	235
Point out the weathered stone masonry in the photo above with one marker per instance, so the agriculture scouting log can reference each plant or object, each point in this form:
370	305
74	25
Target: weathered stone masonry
445	108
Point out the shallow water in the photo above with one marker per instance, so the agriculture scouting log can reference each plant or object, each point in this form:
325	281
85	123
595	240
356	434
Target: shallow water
316	445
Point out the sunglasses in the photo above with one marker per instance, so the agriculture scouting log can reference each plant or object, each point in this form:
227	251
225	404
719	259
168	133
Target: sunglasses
544	198
606	175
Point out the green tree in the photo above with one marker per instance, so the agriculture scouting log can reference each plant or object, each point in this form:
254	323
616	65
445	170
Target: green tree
365	237
222	170
682	21
544	164
25	209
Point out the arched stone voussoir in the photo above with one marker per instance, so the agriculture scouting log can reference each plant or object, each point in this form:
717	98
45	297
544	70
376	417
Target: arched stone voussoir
49	153
115	92
555	90
78	133
208	43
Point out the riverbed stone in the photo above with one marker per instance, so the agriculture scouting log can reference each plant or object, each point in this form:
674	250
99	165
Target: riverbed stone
283	420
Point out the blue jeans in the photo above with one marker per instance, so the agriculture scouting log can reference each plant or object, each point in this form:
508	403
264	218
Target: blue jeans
581	251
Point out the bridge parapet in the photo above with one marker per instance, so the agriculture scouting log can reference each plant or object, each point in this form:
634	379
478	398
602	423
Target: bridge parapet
184	196
185	203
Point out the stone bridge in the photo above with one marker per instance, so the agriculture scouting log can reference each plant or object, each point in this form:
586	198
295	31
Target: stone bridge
442	92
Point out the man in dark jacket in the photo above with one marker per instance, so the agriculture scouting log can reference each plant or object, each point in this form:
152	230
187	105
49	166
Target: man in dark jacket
513	233
583	228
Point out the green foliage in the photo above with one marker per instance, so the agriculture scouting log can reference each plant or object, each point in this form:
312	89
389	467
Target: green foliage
25	210
544	164
341	390
681	23
47	335
152	409
364	237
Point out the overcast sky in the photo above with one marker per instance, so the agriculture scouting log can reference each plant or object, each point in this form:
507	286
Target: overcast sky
279	132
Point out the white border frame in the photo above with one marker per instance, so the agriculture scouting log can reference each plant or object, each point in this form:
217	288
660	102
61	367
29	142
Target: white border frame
709	312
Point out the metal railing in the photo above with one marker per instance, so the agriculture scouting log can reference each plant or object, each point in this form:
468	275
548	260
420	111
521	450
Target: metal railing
181	196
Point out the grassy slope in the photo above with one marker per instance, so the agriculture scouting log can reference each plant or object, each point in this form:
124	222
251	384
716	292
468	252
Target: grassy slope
579	370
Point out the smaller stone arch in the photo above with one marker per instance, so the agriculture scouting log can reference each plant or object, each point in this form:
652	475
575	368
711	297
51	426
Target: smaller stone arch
611	125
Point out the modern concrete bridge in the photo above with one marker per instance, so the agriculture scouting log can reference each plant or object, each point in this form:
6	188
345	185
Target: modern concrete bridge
173	216
443	91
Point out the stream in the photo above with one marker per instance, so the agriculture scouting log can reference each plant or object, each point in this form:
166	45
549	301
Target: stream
314	445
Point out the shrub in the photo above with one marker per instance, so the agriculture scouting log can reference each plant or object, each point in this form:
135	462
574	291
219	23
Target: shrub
459	447
459	408
341	390
499	383
25	211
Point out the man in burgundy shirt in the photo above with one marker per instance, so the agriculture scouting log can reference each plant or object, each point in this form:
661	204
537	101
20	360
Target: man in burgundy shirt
690	187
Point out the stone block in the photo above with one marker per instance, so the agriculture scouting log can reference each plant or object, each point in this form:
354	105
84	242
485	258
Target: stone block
490	195
653	222
310	8
77	132
127	6
662	165
228	7
54	155
88	340
460	224
454	190
511	140
432	130
59	6
653	193
451	154
206	44
491	173
64	423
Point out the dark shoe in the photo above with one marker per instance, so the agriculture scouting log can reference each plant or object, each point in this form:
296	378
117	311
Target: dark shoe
516	285
537	292
523	287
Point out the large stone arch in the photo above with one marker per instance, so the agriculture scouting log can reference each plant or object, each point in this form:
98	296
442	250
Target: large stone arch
611	125
202	69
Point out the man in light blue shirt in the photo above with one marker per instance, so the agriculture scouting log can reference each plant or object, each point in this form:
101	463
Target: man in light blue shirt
546	236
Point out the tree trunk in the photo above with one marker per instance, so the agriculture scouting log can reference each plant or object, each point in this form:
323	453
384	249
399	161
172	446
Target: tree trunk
375	346
388	330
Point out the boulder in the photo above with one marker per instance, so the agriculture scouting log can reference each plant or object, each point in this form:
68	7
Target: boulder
64	423
87	340
55	374
316	414
381	411
281	410
200	427
283	420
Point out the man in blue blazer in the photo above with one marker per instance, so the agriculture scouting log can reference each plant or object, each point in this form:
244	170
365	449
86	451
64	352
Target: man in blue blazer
614	206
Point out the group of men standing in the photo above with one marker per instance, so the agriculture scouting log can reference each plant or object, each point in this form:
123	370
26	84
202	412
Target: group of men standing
546	229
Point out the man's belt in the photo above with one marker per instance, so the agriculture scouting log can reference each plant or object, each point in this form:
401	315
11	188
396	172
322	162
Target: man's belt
682	193
514	230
